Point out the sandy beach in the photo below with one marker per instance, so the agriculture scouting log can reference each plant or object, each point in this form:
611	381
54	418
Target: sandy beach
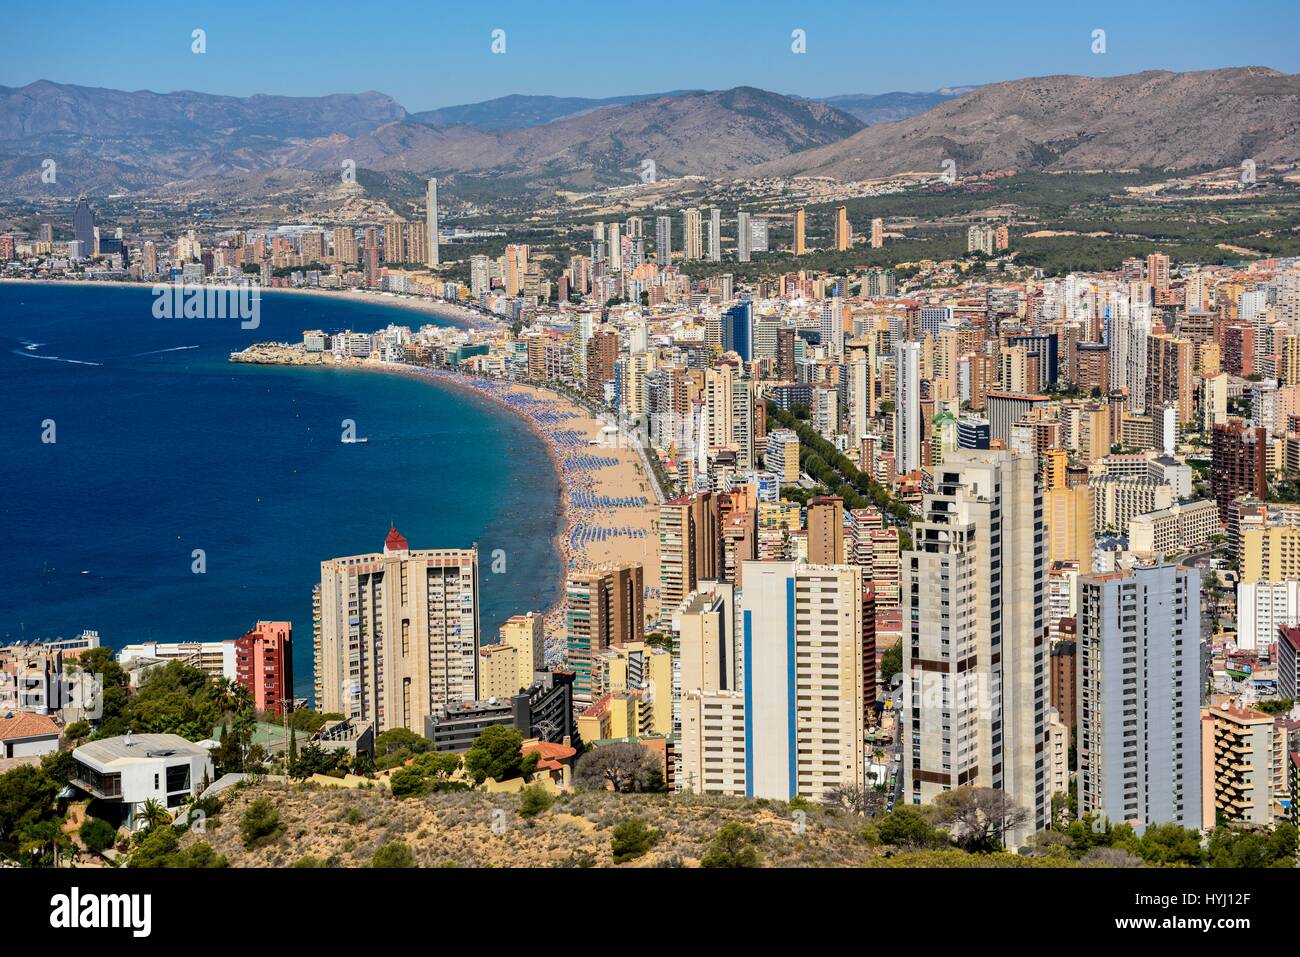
609	503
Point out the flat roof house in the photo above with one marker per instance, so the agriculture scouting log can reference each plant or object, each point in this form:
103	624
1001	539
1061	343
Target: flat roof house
134	768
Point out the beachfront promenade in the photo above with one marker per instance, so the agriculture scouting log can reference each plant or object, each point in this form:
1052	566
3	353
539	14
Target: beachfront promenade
610	503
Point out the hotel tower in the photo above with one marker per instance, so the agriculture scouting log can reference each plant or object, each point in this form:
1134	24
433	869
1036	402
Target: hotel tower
397	633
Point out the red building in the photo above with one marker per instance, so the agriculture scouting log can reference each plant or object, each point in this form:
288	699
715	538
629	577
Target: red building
1237	465
869	653
264	665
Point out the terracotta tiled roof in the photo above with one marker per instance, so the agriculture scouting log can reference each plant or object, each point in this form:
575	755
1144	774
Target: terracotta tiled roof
550	756
395	542
25	724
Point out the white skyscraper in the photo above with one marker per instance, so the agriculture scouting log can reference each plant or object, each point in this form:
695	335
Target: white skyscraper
715	234
975	636
801	634
431	219
743	237
664	240
907	406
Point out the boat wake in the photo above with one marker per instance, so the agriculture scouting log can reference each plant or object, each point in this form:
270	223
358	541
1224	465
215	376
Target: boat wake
156	352
33	355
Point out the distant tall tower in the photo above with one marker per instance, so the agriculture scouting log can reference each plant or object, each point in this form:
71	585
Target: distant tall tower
431	219
843	232
664	240
692	239
715	234
83	227
743	237
877	233
800	247
907	406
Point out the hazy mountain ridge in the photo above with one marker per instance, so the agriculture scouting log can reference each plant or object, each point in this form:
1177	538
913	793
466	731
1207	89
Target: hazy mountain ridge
873	108
106	141
1156	119
520	111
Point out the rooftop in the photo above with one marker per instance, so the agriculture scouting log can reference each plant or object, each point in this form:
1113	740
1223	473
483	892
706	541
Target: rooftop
136	746
25	724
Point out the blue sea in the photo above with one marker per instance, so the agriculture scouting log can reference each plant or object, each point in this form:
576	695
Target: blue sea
161	446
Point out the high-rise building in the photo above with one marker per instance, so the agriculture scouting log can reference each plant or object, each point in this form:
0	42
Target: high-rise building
1158	271
431	220
907	406
602	608
743	237
877	233
802	633
397	633
1238	464
526	634
782	456
843	231
975	636
345	245
826	530
480	275
1069	517
800	246
394	242
83	227
692	234
602	354
690	546
264	665
979	239
664	240
715	234
1249	755
738	330
1139	696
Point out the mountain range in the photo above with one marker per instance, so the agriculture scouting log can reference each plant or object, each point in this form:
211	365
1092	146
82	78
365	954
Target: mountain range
1154	119
111	141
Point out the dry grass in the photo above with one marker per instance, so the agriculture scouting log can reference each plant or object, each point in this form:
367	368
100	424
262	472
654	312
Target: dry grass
345	828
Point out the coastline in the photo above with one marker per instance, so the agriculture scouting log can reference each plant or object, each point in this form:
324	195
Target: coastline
454	313
618	533
608	504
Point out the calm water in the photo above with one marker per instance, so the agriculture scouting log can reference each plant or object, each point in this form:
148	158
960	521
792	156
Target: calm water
163	447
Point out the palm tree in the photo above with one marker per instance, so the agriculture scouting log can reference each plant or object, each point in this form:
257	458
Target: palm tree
154	814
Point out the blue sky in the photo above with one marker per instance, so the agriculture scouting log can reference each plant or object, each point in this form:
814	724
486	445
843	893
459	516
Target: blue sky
434	53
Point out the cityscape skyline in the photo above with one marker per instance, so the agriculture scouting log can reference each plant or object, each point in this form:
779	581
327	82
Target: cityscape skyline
726	481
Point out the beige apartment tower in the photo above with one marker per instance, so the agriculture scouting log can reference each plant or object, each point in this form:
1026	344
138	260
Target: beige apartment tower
396	633
975	636
526	634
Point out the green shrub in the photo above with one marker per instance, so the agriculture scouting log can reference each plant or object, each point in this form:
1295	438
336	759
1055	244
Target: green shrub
735	845
534	799
632	838
97	834
393	854
260	824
